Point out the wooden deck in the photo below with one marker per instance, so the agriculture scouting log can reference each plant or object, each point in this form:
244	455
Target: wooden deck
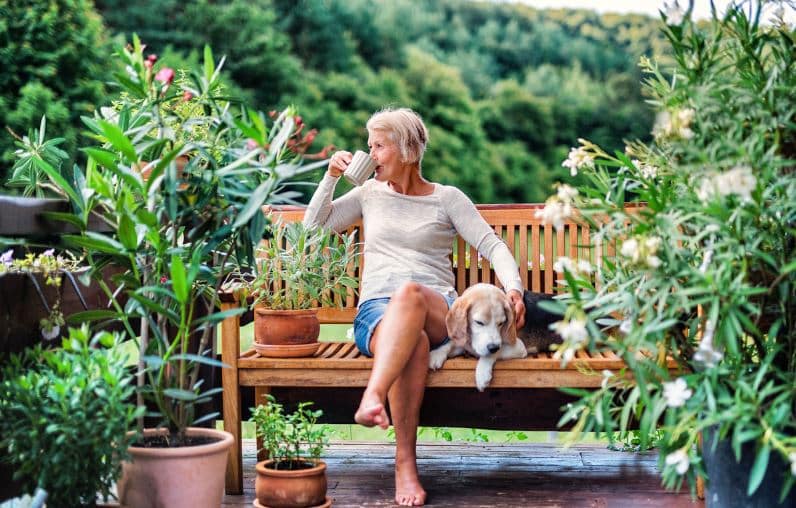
492	475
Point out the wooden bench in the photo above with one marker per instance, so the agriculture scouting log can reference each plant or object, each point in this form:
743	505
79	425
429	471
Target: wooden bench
523	394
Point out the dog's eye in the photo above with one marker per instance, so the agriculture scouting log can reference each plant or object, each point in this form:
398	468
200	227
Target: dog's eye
479	323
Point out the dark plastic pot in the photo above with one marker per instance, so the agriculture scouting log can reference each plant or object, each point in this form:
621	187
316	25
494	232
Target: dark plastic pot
728	480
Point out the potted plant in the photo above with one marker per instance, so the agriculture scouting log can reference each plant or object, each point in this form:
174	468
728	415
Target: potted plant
299	269
704	273
66	413
293	476
174	237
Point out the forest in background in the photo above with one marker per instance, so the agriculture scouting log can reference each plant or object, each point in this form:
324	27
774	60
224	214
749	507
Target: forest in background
505	89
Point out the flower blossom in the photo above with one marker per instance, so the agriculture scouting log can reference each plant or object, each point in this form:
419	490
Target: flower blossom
51	333
738	181
674	13
676	393
607	375
678	459
647	171
675	124
626	326
578	158
574	334
7	257
565	264
642	250
555	212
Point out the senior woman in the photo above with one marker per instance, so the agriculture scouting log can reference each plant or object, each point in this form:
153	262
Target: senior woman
407	285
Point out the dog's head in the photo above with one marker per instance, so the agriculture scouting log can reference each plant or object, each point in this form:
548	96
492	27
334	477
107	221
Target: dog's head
481	320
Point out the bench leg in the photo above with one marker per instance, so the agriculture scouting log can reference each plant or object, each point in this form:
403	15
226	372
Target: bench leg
259	398
230	350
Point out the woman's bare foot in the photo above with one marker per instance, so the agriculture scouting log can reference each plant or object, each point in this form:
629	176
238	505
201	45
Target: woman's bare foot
408	490
371	412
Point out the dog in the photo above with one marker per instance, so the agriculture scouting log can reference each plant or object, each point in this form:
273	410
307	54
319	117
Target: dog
481	322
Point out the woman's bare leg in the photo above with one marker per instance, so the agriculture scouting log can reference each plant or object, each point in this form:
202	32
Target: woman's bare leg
415	318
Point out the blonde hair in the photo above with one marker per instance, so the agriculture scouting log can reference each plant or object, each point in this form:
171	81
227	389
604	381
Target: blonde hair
405	128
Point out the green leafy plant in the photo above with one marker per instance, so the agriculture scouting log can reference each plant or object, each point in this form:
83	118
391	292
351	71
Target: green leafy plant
25	173
303	267
64	417
293	440
704	276
176	231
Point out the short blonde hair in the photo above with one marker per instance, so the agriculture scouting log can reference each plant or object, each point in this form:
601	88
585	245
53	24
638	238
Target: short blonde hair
405	128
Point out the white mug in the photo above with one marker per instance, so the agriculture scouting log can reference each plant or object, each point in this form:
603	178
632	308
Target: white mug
360	168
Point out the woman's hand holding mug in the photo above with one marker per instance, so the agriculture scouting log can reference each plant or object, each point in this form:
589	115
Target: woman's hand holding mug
339	162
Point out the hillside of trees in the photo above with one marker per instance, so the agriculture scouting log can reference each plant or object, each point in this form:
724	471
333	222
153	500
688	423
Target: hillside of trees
505	89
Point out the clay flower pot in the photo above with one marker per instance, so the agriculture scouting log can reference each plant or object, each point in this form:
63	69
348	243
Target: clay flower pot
182	477
290	488
286	333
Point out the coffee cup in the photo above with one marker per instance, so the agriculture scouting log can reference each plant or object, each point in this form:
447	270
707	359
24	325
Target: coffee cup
360	168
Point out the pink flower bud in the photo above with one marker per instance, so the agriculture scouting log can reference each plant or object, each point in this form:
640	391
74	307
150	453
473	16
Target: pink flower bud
152	58
251	144
186	96
165	75
148	64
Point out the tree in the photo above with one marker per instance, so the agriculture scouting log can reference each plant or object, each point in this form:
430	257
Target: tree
54	59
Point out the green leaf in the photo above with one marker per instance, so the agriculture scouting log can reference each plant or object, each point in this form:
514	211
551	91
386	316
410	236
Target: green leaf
127	233
119	141
209	64
95	241
103	157
91	315
254	204
200	359
174	393
758	469
179	280
60	181
64	217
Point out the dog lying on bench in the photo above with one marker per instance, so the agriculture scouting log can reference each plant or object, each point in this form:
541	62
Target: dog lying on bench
481	322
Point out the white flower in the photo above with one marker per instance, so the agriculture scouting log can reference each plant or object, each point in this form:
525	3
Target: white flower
349	334
642	250
52	333
646	170
564	264
653	261
7	257
676	393
739	181
567	193
792	459
607	375
630	248
48	252
674	125
626	326
578	158
573	331
555	212
584	266
679	459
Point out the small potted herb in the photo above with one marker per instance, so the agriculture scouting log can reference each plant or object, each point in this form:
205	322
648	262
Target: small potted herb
293	476
299	270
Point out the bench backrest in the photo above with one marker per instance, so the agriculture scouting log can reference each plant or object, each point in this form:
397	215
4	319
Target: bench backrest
536	247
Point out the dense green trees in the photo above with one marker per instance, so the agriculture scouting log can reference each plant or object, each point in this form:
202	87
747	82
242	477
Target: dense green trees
505	89
53	57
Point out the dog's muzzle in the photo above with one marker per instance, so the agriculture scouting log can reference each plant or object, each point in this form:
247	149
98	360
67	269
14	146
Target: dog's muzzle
493	348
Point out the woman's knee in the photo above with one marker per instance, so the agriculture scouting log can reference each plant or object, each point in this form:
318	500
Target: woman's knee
410	293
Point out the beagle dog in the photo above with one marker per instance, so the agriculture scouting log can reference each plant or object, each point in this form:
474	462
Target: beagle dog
481	322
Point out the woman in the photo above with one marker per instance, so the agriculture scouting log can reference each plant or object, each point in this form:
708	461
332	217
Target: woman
407	285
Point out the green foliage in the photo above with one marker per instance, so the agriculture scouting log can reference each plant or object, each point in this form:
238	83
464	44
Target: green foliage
26	172
64	417
301	267
53	59
293	440
704	274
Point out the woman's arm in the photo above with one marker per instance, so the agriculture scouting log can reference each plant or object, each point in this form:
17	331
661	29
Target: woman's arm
340	213
475	231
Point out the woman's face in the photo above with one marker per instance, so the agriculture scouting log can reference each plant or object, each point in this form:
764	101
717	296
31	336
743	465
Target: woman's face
386	154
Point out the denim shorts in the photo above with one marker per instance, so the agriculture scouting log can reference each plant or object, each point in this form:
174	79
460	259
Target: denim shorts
368	317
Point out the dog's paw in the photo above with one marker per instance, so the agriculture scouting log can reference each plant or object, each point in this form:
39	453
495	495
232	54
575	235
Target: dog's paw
436	358
483	375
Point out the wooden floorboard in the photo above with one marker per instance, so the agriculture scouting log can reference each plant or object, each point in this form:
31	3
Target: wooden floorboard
492	475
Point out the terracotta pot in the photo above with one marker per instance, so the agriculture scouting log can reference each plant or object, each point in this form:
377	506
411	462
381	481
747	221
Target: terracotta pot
189	476
290	488
289	328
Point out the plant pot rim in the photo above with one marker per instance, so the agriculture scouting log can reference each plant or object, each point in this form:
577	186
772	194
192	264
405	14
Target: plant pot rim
263	468
266	311
224	441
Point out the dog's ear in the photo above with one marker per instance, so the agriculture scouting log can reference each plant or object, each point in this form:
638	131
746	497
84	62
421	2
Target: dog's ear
508	330
457	320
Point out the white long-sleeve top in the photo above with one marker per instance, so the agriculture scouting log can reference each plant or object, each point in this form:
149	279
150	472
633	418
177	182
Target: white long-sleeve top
410	238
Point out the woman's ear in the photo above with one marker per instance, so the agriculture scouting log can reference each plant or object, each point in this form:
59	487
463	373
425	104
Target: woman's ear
508	330
458	321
